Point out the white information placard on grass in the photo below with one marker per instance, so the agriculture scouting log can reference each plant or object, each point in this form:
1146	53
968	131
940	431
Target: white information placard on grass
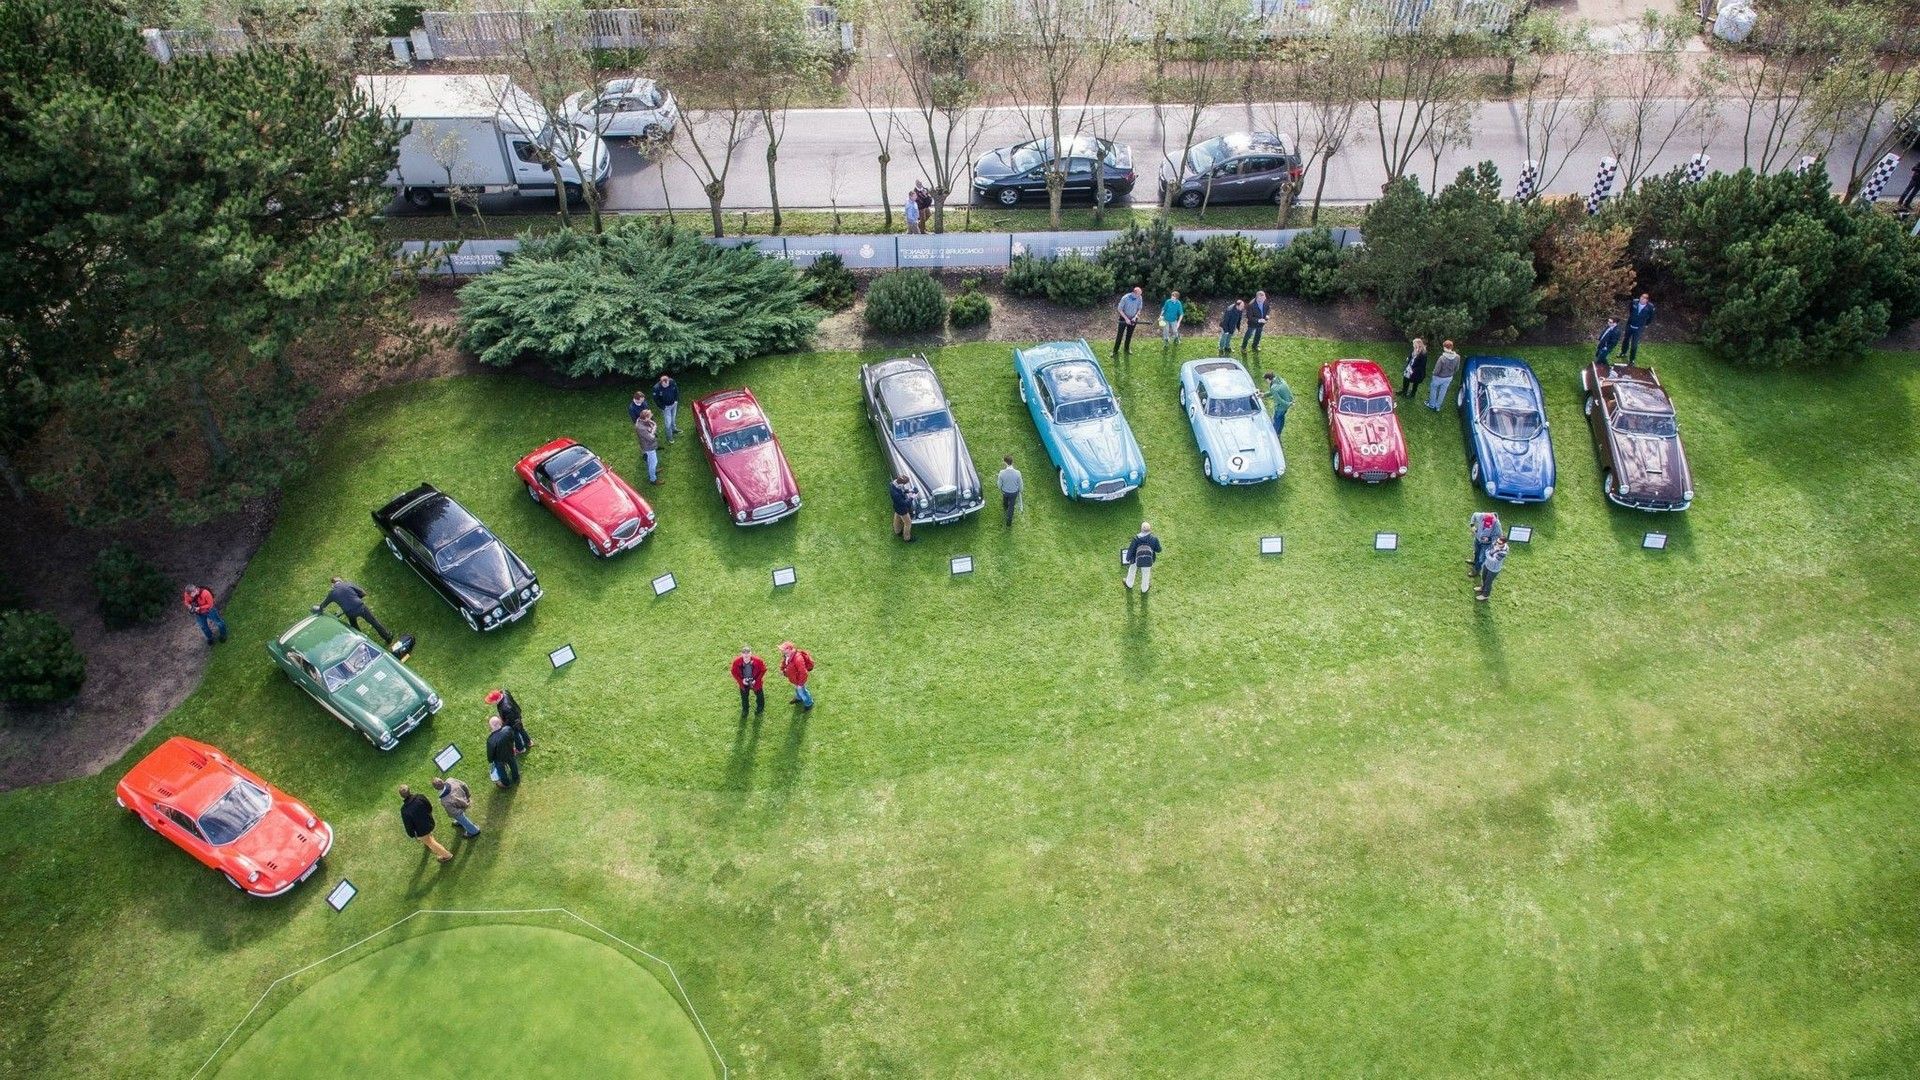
960	564
1273	545
664	584
1386	541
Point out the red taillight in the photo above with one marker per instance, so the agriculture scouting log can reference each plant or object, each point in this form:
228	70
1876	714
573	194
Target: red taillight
1297	173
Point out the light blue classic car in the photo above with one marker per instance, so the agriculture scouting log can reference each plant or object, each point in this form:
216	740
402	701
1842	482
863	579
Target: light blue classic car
1230	422
1509	449
1079	420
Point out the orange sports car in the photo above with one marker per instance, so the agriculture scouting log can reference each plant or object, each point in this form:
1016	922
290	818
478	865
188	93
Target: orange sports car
263	840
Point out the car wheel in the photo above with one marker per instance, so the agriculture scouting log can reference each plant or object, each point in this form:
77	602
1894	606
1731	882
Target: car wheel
717	488
1473	474
575	196
1336	463
1279	197
1460	398
1206	466
149	824
1320	391
651	132
472	620
594	551
1586	407
533	493
1190	200
235	882
1009	196
1023	392
1063	484
1183	397
1107	196
395	548
419	198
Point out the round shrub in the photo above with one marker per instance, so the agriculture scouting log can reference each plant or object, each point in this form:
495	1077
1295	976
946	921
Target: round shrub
970	308
905	302
131	589
1312	268
1152	258
1192	313
1074	281
831	283
1230	265
1027	276
38	660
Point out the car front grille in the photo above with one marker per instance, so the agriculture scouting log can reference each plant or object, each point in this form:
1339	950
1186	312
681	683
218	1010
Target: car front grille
1374	476
772	509
627	530
946	498
1109	487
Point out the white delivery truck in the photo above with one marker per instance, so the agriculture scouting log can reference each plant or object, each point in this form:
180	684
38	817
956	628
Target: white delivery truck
480	133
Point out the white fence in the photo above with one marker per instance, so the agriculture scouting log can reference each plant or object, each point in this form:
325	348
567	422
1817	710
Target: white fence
476	35
1279	18
167	44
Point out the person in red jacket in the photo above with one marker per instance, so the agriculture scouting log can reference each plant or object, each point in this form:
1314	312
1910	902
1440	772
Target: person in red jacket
750	674
198	600
795	664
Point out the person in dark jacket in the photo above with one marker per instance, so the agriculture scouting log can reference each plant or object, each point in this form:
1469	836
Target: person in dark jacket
352	601
1912	189
198	600
508	710
637	406
1230	320
1139	555
750	675
416	816
1415	372
1490	568
1639	317
901	492
1609	340
1256	320
666	394
501	753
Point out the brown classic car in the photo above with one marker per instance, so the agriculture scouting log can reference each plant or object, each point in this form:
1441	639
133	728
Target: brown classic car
1636	437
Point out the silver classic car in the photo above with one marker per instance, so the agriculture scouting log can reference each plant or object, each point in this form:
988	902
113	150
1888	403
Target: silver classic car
908	408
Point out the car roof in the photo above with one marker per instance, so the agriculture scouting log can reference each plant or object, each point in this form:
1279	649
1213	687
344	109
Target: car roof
910	391
625	86
1074	379
731	410
437	519
1243	142
1074	146
1224	378
1641	398
1362	378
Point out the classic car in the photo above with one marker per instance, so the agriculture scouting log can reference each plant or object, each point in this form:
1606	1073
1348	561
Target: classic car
260	838
749	469
465	563
1079	420
1242	166
592	499
910	415
1017	172
1361	422
624	109
1636	437
364	686
1230	422
1504	413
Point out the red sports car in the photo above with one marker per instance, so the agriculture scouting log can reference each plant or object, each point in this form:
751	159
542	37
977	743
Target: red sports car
749	468
225	816
591	498
1361	423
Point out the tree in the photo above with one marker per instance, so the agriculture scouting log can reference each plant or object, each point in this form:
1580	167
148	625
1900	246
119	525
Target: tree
1053	64
873	89
1324	78
941	47
786	59
1584	264
1865	90
1660	95
1200	52
1776	81
1559	79
1411	74
719	97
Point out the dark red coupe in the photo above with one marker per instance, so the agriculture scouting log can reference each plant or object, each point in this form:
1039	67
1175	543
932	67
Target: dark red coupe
1361	423
591	498
749	468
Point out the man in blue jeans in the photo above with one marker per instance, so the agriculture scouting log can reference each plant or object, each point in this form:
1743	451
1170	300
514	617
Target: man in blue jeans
456	798
666	394
199	603
1639	317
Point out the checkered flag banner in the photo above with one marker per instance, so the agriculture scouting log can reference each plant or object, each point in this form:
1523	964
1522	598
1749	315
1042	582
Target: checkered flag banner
1529	181
1602	184
1806	163
1877	179
1696	169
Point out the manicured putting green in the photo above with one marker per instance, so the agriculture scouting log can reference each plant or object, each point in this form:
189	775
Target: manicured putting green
490	1000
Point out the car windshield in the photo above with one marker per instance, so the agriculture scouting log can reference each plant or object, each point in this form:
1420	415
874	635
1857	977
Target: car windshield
573	469
462	547
353	664
1074	412
745	438
1365	406
926	423
1635	423
1206	155
240	809
1233	406
1026	156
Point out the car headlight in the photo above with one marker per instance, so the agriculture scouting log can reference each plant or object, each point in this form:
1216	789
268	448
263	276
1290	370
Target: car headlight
1348	470
1489	484
1623	489
433	701
739	515
253	876
1134	476
526	592
1547	492
1402	472
921	499
1086	485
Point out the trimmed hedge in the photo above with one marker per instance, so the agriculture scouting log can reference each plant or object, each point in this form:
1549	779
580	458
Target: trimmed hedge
1312	268
971	307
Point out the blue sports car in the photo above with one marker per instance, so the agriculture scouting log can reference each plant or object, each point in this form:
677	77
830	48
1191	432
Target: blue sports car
1509	447
1079	420
1230	423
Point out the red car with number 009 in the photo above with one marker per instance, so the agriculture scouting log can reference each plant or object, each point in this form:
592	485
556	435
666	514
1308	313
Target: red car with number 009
1361	422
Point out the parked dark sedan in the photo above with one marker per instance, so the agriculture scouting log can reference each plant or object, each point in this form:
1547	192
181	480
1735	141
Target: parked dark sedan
1017	172
909	411
1240	167
1636	437
465	563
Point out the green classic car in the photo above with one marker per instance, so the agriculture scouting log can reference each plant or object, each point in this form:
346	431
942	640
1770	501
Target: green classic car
361	684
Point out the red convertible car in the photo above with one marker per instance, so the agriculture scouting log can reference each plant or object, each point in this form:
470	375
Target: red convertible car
1361	423
592	499
225	816
749	468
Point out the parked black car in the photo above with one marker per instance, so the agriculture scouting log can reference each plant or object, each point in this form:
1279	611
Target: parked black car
1017	172
465	563
1241	166
909	411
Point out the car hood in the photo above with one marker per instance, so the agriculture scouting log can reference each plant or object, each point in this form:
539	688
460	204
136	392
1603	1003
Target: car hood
1526	466
383	693
1370	439
280	845
488	574
1104	448
1651	465
757	474
994	165
604	502
937	460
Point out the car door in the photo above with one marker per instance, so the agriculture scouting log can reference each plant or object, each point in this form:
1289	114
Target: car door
1260	176
1226	184
1605	403
1079	183
529	163
1043	417
185	832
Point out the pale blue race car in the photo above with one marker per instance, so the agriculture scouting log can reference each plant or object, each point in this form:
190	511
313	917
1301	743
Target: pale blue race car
1230	422
1079	420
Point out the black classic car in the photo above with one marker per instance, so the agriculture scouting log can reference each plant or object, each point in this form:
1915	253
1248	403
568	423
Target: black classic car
1636	437
910	415
1017	172
465	563
1242	166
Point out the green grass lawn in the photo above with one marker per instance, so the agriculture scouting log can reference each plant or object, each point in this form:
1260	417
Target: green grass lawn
1314	815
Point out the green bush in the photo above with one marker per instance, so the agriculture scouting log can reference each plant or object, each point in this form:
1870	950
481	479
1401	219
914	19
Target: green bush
642	298
131	589
970	308
830	283
1072	280
38	660
1027	275
1193	313
1312	268
1151	257
1230	265
905	302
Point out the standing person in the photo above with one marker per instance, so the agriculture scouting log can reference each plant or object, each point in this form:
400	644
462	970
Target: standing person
1912	190
501	753
1139	555
666	394
416	816
912	209
508	710
1490	568
1639	317
1609	338
1256	320
1415	372
750	675
1230	325
648	433
198	600
637	406
456	798
901	492
1171	309
1444	369
1486	529
1011	483
1129	312
796	664
924	196
352	601
1280	397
